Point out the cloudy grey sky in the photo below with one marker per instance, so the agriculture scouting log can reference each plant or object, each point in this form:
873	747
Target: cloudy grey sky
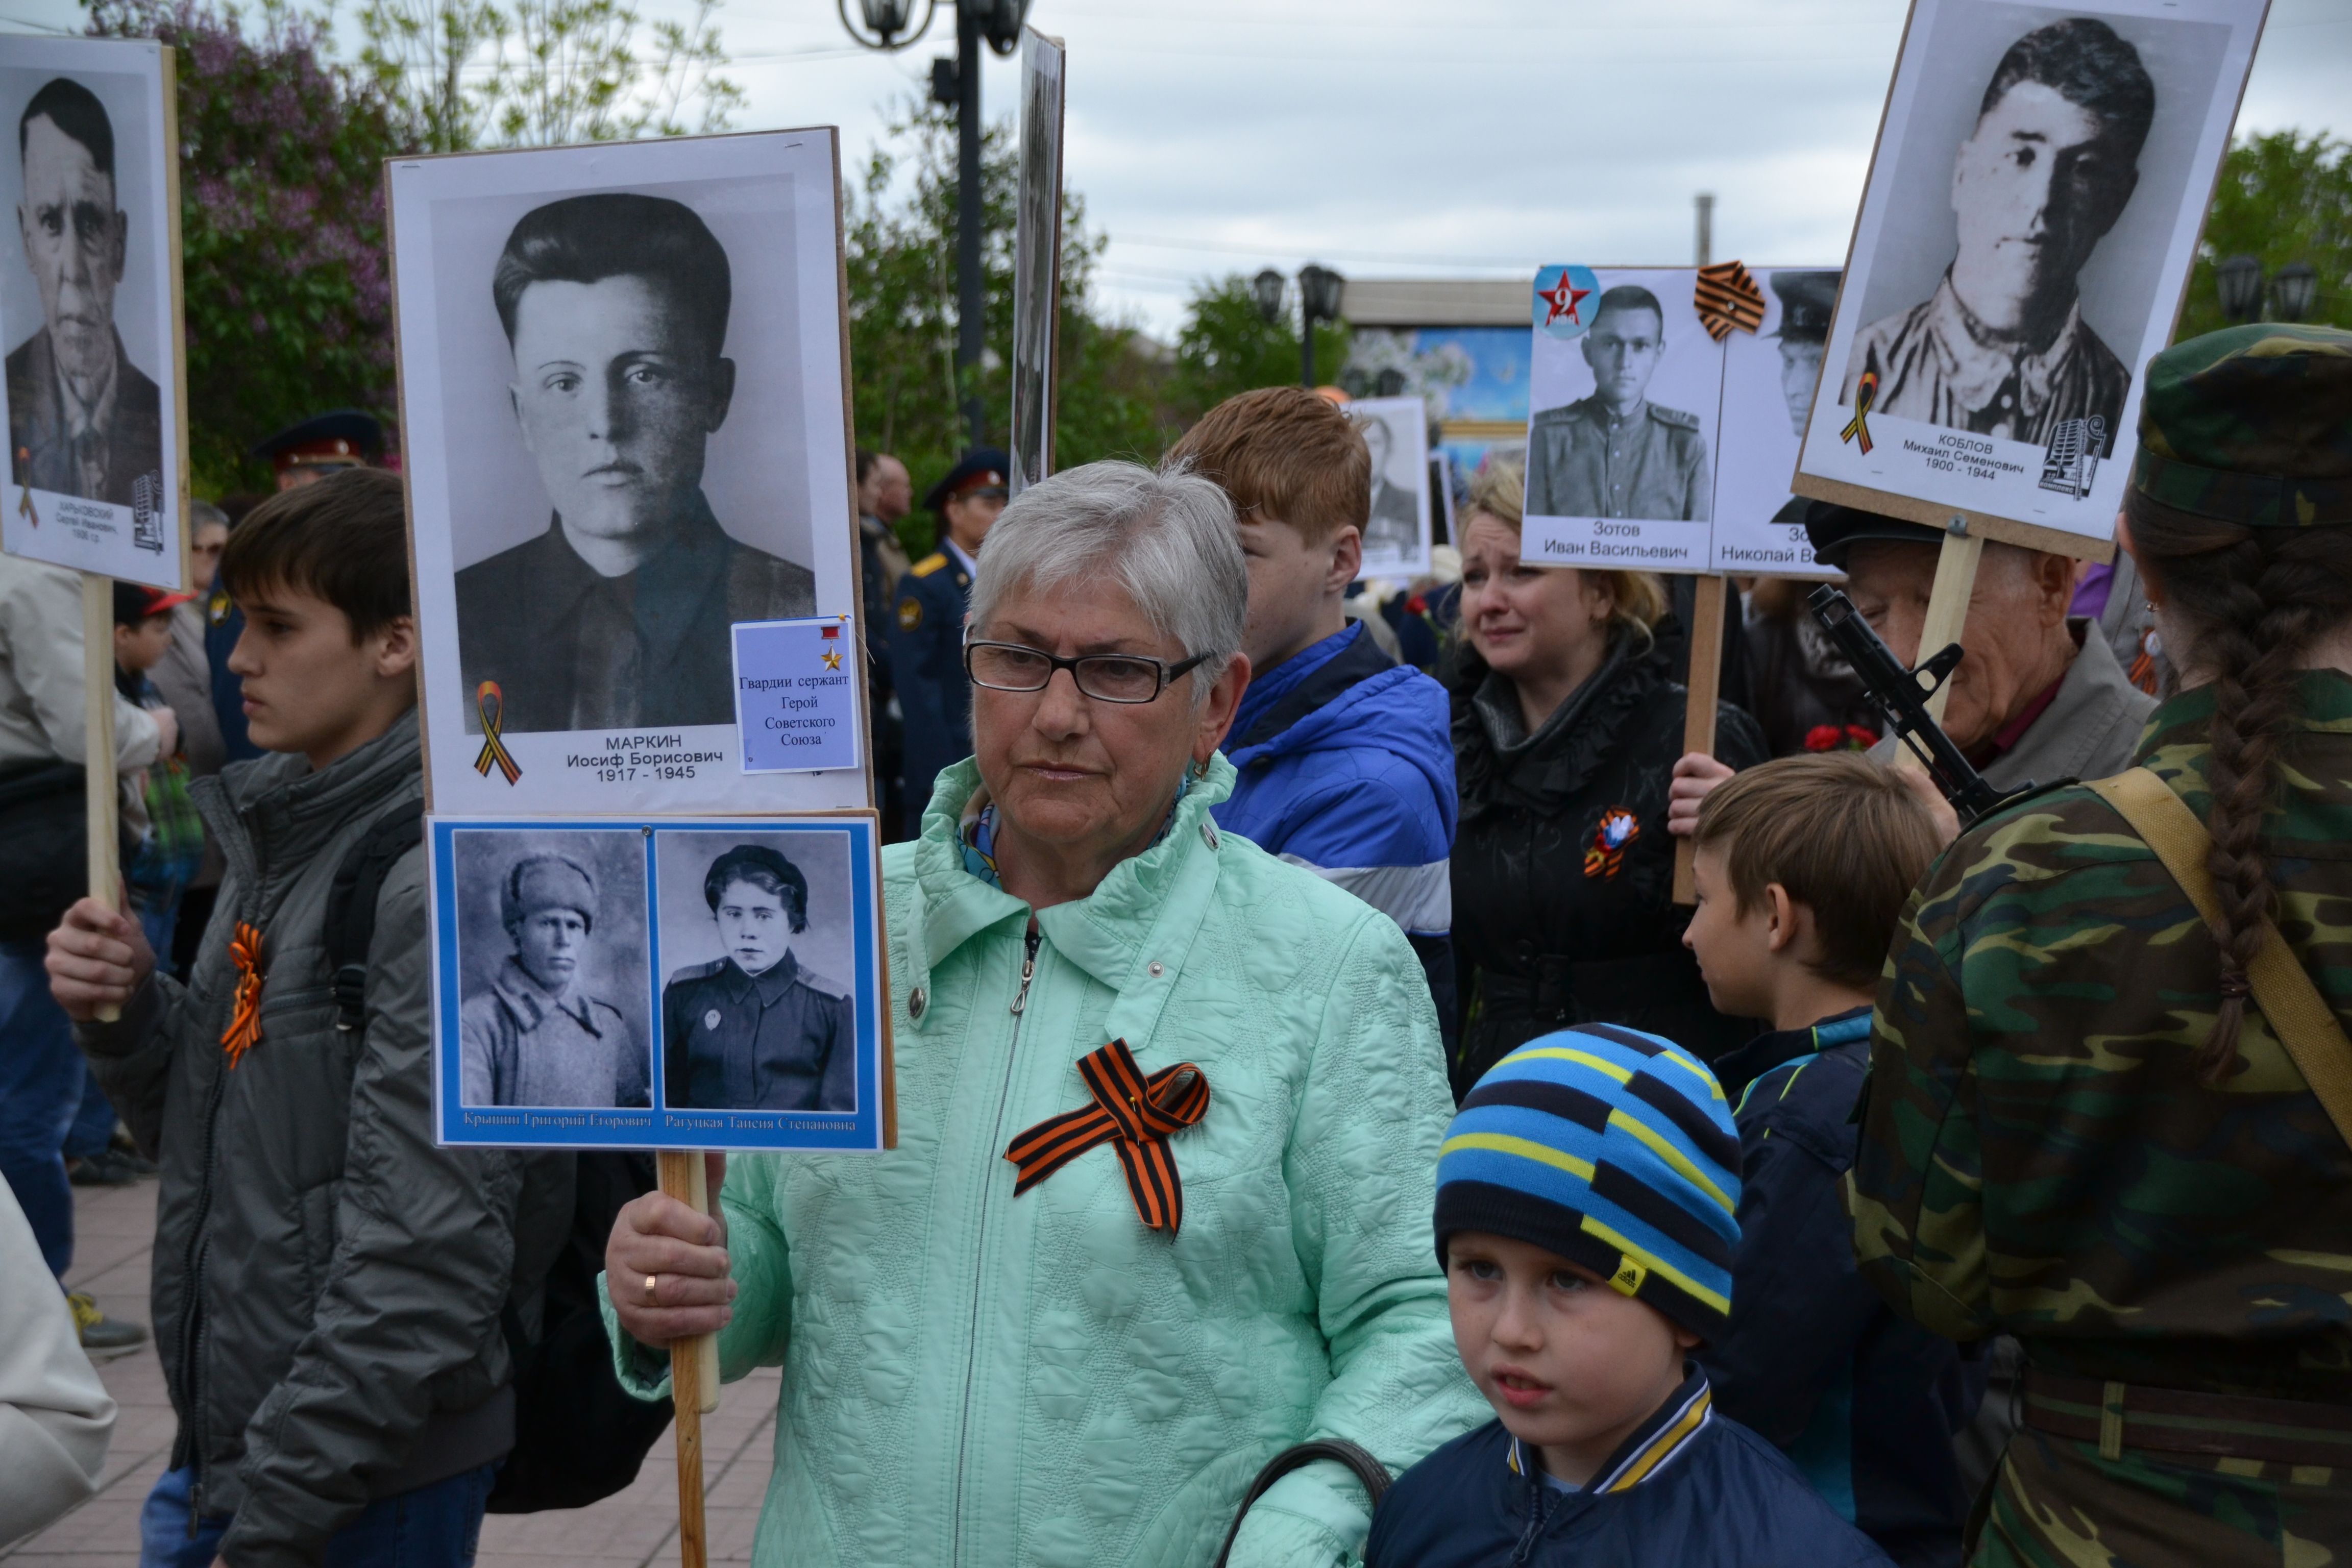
1475	137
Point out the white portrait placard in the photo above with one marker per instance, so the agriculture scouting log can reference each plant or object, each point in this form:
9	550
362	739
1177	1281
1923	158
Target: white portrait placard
1397	531
1624	391
1037	259
90	310
2031	214
623	383
1768	381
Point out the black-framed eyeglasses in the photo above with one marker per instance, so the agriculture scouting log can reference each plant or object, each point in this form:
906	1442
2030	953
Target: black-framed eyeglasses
1104	676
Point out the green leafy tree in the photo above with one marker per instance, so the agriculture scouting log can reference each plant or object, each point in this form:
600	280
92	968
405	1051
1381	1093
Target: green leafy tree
1227	347
286	296
1111	387
2281	199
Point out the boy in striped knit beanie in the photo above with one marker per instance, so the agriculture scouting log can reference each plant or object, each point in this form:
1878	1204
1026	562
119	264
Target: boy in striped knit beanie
1585	1201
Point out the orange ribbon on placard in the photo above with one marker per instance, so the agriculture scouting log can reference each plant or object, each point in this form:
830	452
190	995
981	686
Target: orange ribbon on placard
244	1031
492	704
1727	297
1135	1113
1864	394
24	506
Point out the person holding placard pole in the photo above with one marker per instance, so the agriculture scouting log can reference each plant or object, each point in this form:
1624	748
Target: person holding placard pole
1566	722
1005	1341
2111	1093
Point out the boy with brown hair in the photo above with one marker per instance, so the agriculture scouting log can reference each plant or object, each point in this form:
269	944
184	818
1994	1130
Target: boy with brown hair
1345	759
327	1285
1803	867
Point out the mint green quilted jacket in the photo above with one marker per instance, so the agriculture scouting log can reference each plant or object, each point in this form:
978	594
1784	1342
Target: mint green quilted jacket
976	1381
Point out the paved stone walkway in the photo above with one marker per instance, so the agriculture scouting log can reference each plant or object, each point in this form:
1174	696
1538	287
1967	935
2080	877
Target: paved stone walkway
114	1233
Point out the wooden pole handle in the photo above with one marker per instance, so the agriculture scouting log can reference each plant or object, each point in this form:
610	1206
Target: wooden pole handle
1698	714
100	799
693	1376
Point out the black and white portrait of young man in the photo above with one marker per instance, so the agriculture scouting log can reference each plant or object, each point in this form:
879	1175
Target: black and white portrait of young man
617	614
2000	346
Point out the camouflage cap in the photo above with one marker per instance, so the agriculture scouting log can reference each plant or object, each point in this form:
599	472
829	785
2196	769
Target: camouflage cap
2251	425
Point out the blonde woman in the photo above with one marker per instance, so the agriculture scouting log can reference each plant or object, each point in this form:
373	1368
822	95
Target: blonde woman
1567	723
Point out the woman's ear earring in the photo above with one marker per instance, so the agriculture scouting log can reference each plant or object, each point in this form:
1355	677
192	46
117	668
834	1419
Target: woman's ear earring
1201	768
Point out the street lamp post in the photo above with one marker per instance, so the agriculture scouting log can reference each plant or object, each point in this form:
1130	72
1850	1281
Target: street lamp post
1319	300
2240	280
2296	288
954	84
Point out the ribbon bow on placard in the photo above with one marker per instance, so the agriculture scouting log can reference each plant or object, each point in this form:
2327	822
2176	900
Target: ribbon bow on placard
1728	298
1857	428
244	1031
1131	1112
492	704
24	500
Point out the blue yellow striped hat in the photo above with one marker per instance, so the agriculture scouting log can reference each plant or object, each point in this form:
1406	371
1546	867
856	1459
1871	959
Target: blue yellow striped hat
1613	1148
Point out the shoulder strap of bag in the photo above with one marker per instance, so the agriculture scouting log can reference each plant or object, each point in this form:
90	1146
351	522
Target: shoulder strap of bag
1367	1467
2301	1018
351	905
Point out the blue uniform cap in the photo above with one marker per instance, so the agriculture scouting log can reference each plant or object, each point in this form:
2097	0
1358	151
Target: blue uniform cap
982	469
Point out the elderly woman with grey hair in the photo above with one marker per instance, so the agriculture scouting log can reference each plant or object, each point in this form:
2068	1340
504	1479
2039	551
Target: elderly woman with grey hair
1169	1112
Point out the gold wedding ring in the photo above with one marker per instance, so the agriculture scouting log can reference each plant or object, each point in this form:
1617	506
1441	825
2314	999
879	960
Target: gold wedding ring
650	1298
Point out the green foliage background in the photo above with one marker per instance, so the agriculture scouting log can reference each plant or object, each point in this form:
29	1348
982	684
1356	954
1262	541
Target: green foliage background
2281	199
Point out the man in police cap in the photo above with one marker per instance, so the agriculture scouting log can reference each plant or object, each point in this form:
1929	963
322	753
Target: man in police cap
1617	454
926	648
322	447
758	1030
535	1037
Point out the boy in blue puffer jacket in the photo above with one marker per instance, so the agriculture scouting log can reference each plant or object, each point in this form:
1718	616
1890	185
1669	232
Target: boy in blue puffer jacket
1585	1196
1345	758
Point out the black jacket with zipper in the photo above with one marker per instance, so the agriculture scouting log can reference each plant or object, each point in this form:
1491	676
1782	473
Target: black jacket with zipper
328	1284
1545	937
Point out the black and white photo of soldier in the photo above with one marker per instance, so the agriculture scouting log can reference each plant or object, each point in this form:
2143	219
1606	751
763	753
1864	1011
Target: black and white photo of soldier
536	1035
757	1029
1807	299
2000	347
1616	454
1394	526
82	419
616	307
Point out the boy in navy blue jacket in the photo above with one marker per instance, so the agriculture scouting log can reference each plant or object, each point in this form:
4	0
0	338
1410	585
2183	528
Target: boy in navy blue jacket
1585	1201
1803	865
1344	757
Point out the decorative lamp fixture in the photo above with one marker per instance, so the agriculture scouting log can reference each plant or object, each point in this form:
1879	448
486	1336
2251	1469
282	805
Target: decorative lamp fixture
1319	287
1000	22
2295	289
2241	282
1389	383
1267	287
885	21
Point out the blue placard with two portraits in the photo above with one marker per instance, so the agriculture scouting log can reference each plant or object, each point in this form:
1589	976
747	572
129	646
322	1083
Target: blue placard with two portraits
679	982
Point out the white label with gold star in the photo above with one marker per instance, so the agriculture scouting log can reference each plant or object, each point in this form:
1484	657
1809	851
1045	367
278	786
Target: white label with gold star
796	695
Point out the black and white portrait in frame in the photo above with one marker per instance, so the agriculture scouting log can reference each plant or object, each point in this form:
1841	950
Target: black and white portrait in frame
1037	259
87	309
1396	530
758	1002
2031	216
621	371
554	973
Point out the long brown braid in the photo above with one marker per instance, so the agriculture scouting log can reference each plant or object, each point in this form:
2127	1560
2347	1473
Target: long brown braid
2253	601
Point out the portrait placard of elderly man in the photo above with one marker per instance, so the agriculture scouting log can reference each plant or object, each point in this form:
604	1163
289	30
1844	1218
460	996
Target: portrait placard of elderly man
82	419
535	1034
616	308
1019	1343
2000	347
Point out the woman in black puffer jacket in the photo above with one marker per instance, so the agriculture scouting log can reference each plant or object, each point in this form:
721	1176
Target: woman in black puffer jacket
1567	725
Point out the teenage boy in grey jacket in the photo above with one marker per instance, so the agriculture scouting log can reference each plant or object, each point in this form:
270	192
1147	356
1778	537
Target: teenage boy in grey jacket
328	1284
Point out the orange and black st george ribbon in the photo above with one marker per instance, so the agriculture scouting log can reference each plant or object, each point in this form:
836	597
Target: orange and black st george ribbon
1132	1112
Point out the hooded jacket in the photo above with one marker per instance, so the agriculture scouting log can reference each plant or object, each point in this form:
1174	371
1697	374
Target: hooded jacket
328	1284
973	1379
1689	1488
1563	869
1344	766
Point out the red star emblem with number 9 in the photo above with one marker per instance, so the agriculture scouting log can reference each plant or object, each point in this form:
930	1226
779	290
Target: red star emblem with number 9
1562	298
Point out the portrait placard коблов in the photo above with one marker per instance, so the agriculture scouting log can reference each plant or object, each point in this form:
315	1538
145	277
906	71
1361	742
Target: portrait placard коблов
626	434
89	309
2032	214
686	984
1396	535
1624	390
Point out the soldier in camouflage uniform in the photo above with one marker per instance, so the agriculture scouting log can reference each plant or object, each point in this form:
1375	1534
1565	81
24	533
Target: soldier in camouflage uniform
2078	1129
